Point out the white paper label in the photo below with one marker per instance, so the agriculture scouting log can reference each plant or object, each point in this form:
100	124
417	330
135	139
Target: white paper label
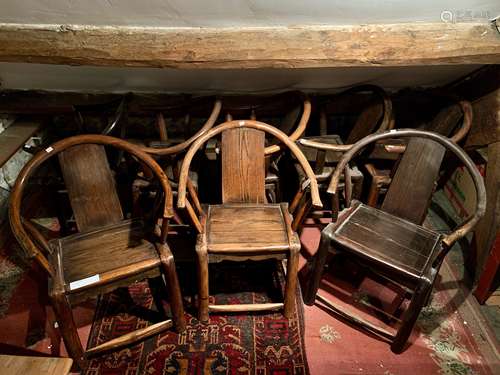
84	282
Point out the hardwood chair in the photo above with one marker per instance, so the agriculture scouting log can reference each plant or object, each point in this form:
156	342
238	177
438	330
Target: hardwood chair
382	162
324	151
170	152
392	241
107	252
244	227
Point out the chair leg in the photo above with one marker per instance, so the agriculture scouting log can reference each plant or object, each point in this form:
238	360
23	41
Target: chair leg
318	265
373	193
296	200
302	212
410	316
67	327
202	283
174	293
292	268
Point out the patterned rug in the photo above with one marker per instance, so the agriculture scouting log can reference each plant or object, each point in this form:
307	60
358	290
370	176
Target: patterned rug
262	344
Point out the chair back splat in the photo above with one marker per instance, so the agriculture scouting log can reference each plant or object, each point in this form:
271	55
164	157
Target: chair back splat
411	189
243	166
91	187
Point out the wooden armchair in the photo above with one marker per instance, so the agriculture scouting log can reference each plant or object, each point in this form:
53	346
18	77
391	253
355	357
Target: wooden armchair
244	227
324	151
392	241
170	153
382	162
108	252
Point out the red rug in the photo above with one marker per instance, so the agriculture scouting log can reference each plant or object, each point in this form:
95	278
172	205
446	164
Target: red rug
230	344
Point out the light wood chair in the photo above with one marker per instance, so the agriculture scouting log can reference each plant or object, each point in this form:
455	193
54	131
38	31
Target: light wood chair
107	252
392	242
244	227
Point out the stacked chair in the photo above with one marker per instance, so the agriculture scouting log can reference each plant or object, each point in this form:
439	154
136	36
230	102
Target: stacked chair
324	151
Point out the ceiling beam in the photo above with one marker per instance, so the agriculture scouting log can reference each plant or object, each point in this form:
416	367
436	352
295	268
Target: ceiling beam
236	48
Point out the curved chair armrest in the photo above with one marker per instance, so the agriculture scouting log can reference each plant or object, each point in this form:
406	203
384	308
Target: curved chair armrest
181	202
324	146
466	226
182	146
301	128
386	123
466	108
16	220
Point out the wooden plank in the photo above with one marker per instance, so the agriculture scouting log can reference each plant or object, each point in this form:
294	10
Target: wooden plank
243	166
91	186
14	137
258	47
410	192
22	365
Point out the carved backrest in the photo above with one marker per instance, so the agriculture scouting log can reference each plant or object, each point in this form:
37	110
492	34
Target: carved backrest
243	166
412	186
91	186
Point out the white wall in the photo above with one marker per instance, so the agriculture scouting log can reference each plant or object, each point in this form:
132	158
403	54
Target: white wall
105	79
203	13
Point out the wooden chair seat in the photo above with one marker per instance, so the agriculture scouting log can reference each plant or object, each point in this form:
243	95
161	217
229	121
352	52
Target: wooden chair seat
94	257
246	228
387	240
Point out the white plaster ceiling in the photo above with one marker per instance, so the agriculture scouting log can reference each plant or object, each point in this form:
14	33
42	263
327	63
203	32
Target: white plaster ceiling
226	13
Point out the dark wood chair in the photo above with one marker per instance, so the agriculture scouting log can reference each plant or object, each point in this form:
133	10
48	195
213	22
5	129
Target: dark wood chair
244	226
382	162
324	151
107	252
170	152
392	241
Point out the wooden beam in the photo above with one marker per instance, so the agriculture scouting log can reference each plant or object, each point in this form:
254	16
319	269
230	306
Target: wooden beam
14	137
265	47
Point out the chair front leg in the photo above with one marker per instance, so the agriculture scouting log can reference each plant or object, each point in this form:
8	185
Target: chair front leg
292	268
174	293
318	265
67	327
411	314
202	262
